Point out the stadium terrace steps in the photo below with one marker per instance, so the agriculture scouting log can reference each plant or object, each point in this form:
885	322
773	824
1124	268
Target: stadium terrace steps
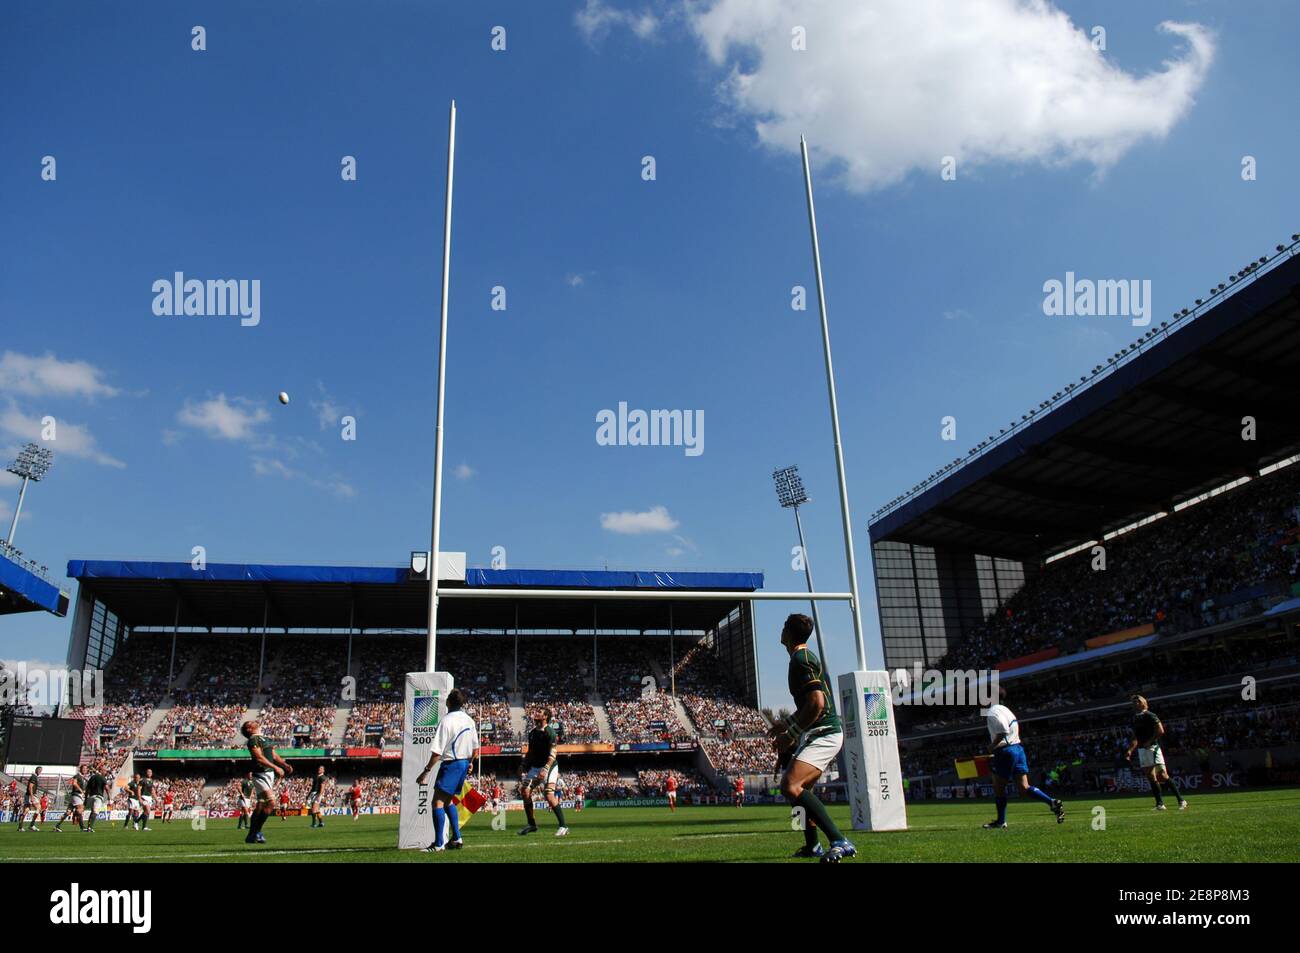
518	717
602	718
685	717
339	729
658	671
666	685
184	676
160	710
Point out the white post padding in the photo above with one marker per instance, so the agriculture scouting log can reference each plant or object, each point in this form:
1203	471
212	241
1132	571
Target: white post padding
426	704
874	775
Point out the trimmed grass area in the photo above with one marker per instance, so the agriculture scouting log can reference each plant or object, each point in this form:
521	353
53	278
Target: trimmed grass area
1257	826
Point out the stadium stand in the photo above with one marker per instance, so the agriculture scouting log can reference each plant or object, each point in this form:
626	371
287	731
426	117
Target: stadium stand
1137	532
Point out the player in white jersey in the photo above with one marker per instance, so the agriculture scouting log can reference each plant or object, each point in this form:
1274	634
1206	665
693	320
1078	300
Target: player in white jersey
454	746
1009	763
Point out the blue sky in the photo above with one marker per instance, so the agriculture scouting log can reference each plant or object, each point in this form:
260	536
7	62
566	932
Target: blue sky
667	294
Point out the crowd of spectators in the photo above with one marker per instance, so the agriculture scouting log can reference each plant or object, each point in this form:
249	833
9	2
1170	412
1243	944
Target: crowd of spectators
649	717
740	755
651	782
185	791
1169	572
202	719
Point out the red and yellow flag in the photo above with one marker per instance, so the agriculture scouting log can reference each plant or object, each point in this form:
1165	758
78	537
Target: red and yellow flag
468	802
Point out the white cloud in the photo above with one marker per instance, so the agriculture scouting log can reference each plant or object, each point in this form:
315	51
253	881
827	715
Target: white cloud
893	86
654	520
271	467
464	471
235	419
328	411
47	376
575	280
75	440
597	18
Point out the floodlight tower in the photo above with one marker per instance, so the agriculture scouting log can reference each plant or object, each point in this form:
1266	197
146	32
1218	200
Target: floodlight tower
32	463
791	495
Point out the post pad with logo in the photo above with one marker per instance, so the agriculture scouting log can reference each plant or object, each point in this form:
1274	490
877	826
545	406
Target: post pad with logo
426	703
873	774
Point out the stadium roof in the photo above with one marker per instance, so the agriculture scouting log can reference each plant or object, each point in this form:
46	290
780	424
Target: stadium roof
22	590
235	595
1160	426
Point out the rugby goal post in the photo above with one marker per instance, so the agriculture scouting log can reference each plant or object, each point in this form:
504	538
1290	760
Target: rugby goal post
877	760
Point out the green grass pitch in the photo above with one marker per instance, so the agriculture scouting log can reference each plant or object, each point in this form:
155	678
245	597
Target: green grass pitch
1257	826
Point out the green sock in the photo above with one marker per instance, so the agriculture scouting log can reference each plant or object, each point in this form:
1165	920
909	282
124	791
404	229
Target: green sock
559	814
817	812
809	832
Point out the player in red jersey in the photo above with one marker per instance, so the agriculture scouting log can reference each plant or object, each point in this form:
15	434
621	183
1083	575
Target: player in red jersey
284	803
354	796
169	803
579	797
496	797
738	792
670	788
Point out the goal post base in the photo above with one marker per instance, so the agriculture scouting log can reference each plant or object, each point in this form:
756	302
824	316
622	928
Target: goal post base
873	774
424	708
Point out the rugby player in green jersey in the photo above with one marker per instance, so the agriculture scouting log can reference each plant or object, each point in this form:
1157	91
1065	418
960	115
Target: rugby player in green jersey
31	801
97	784
76	798
245	802
315	800
808	741
144	788
268	767
1147	732
541	771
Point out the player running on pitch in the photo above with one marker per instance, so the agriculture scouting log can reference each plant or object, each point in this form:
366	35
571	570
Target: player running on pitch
168	804
670	789
807	741
268	767
454	746
1147	732
541	769
76	798
1009	763
316	798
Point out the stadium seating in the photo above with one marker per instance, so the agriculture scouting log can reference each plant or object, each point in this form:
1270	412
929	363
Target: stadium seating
1170	572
